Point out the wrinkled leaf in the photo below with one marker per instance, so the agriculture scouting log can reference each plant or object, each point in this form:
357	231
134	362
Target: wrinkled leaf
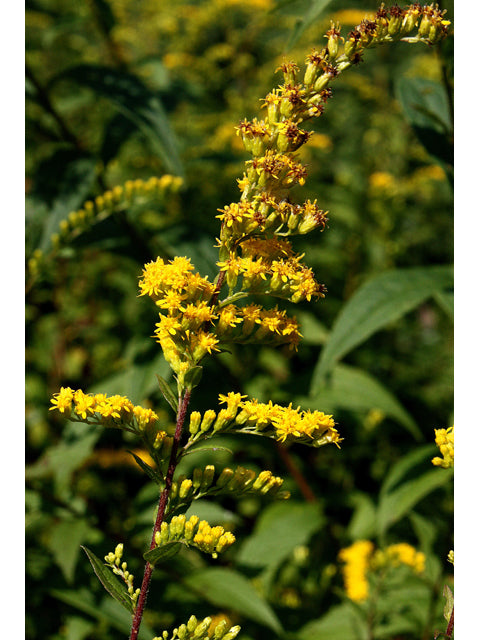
135	101
117	589
356	390
228	589
376	304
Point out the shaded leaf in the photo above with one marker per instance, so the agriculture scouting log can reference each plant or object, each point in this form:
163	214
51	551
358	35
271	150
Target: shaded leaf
74	175
377	303
116	133
136	102
151	473
356	390
107	611
426	108
228	589
167	393
117	589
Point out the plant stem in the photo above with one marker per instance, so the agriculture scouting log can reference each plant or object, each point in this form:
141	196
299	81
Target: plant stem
142	598
450	626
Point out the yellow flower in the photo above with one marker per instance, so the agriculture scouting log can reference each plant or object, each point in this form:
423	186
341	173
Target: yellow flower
63	400
444	439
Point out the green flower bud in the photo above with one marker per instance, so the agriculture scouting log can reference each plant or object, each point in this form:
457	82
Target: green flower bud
208	474
322	82
233	633
192	624
202	628
224	478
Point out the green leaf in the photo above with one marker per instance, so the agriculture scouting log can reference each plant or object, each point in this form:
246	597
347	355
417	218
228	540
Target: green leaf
107	611
426	108
151	473
342	622
64	544
74	174
112	584
280	528
377	303
447	610
165	551
356	390
362	523
193	377
313	13
396	502
167	393
228	589
136	102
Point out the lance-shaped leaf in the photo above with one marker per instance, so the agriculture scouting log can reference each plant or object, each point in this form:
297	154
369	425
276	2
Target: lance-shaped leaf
164	552
377	303
115	588
167	393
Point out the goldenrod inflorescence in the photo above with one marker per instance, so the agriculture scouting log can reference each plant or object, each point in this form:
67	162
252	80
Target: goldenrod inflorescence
444	439
361	557
195	532
109	411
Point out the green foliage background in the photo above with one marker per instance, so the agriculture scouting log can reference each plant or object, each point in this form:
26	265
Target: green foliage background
123	89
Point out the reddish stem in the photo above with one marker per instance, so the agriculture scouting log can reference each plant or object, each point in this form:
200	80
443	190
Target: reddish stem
450	626
147	575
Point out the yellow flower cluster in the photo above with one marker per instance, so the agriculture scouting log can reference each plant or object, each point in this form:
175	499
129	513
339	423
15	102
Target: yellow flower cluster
357	559
269	266
109	411
286	424
397	554
444	441
190	327
113	560
234	482
120	196
195	532
207	629
360	558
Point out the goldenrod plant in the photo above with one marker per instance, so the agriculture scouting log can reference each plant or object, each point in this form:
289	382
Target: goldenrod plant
199	318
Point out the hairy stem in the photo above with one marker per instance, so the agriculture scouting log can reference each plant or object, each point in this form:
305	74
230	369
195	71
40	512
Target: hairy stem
147	576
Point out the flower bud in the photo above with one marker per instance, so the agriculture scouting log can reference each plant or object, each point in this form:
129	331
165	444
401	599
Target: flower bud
195	419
